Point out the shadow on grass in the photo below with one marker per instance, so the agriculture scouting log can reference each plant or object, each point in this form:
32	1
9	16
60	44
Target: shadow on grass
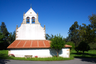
93	60
3	58
85	57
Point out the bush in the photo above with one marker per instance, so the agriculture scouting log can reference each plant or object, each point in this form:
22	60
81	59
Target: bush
72	44
83	46
12	55
36	56
77	49
92	46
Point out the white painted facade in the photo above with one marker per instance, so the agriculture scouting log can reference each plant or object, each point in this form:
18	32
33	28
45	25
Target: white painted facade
65	52
30	31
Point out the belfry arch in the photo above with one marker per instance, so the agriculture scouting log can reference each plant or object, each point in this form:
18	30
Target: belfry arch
28	20
33	20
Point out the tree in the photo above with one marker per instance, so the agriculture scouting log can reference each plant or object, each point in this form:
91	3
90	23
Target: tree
92	20
47	36
74	33
83	46
3	36
84	32
57	43
72	44
11	37
51	37
3	43
88	36
3	29
92	46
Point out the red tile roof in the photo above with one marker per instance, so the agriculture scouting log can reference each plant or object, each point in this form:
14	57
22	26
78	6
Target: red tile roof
67	45
31	44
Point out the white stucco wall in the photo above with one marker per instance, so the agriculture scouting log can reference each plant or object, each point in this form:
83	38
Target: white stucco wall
32	14
65	52
39	52
30	32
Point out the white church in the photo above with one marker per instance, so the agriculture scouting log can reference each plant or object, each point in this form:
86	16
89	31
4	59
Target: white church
31	39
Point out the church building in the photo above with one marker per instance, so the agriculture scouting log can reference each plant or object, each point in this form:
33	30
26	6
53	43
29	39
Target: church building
31	39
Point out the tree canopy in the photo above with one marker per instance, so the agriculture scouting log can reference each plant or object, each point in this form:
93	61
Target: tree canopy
78	33
11	37
83	46
57	43
3	29
73	33
5	37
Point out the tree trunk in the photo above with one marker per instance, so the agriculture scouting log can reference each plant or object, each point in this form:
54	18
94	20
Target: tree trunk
57	53
83	52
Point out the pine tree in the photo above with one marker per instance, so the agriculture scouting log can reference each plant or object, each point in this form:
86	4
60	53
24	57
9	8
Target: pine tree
3	36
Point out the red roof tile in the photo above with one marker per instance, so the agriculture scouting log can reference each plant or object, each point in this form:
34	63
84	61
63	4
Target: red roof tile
31	44
67	45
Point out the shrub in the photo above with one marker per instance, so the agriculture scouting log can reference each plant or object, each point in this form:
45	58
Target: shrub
72	44
83	46
92	46
36	56
12	55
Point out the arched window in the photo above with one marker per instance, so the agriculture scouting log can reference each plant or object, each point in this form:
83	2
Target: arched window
28	20
33	20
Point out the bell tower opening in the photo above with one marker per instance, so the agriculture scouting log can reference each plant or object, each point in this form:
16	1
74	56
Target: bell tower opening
33	20
28	20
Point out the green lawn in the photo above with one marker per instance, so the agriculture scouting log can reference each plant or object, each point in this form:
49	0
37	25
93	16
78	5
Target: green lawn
44	59
89	54
4	54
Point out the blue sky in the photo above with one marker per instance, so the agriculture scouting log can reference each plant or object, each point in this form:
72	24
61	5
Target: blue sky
56	15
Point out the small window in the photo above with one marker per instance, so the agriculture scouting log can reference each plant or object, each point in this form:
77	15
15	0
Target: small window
28	20
33	20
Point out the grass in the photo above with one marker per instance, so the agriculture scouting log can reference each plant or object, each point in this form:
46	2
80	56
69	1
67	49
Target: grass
4	54
44	59
89	54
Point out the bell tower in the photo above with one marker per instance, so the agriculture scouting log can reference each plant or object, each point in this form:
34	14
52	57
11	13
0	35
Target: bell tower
30	17
30	28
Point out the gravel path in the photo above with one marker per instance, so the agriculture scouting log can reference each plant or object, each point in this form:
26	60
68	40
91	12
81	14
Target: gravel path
75	61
